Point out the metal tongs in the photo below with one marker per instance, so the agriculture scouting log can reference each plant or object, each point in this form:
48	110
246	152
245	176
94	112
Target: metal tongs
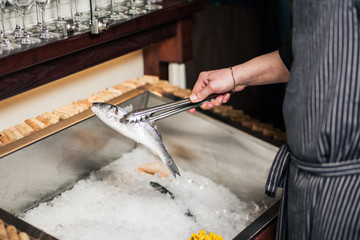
159	112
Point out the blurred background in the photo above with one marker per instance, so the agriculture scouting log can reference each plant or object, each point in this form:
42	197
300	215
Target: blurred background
230	32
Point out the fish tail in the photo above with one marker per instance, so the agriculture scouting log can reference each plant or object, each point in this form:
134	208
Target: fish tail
172	167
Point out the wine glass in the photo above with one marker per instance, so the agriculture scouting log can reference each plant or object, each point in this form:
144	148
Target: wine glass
139	3
59	21
151	6
122	6
5	42
44	33
23	6
100	11
135	10
17	31
38	26
78	17
115	15
58	25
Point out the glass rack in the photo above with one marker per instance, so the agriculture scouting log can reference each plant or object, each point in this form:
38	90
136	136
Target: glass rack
165	35
31	23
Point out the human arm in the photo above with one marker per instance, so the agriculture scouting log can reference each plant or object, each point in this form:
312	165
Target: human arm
265	69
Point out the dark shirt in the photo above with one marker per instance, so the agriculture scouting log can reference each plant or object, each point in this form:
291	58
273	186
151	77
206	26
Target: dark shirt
286	55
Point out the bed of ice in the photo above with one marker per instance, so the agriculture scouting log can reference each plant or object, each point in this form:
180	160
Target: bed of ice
117	202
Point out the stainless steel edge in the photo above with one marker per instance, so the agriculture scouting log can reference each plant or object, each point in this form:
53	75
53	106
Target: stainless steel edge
263	221
36	169
23	226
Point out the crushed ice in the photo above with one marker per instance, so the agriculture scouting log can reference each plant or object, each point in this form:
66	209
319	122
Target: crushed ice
117	202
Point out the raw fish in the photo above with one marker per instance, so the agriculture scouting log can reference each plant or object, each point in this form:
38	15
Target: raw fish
142	132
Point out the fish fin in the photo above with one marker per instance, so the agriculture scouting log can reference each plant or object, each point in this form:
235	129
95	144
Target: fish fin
128	108
172	167
156	129
122	111
160	137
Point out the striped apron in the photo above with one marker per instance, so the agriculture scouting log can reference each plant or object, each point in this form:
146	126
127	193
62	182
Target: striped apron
319	166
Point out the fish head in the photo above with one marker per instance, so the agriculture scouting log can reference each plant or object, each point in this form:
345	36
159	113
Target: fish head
107	111
100	108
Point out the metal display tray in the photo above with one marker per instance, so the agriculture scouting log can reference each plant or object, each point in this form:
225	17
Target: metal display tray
23	226
42	165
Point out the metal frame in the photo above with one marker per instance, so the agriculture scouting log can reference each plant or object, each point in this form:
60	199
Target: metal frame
249	232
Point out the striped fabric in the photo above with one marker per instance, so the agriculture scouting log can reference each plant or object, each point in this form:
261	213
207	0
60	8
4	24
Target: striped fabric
321	197
278	170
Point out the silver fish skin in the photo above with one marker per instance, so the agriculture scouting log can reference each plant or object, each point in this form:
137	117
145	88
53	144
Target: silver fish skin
142	132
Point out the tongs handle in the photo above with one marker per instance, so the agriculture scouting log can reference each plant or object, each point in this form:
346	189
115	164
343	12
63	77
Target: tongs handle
177	110
165	110
151	110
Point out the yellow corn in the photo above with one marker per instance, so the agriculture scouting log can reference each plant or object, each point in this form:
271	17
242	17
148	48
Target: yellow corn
202	236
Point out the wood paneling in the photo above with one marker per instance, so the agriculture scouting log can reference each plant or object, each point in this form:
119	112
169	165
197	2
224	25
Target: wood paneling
177	49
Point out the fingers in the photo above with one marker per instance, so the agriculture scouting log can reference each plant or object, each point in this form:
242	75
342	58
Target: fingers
210	82
202	88
201	94
226	98
207	106
216	102
192	110
221	99
200	84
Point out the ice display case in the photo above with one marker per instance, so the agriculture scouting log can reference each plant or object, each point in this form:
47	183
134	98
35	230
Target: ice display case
41	166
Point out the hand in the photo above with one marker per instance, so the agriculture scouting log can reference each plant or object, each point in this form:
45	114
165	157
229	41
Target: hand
211	82
265	69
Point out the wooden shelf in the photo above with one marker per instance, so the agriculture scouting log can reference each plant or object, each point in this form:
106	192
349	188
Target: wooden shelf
32	68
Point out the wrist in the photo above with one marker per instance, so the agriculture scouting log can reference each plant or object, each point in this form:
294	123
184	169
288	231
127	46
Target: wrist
233	79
